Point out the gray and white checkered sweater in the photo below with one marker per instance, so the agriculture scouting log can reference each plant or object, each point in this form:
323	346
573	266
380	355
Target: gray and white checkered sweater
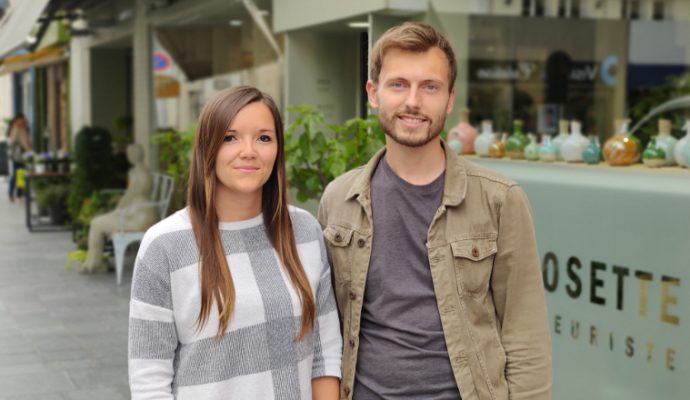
257	357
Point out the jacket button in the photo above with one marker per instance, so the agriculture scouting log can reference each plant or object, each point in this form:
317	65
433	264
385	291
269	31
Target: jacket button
338	237
475	252
361	243
353	296
346	390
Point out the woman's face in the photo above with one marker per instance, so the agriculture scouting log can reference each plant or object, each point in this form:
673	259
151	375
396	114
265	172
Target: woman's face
247	155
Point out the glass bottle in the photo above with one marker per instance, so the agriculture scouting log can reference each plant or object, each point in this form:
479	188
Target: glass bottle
547	151
680	147
592	153
516	142
484	140
666	142
532	149
653	156
561	137
575	144
464	132
620	149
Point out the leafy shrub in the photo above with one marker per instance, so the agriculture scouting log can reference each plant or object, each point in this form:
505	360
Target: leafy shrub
317	153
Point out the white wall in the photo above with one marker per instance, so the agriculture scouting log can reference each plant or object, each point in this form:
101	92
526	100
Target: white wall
5	102
322	71
297	14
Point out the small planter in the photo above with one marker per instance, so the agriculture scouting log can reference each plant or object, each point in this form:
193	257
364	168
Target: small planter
40	168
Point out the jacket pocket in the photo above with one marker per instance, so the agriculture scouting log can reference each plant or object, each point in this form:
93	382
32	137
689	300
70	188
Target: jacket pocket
474	259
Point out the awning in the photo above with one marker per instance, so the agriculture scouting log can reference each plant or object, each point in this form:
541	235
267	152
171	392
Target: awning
39	58
15	27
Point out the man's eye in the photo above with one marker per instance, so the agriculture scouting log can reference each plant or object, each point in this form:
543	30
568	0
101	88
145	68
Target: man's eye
431	88
265	138
229	138
397	85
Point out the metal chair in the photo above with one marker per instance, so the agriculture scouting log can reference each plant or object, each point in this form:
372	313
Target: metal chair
160	198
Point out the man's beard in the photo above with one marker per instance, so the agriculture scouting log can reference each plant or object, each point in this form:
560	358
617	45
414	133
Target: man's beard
388	125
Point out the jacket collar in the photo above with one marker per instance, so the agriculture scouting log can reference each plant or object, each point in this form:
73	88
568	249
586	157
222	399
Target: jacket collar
455	186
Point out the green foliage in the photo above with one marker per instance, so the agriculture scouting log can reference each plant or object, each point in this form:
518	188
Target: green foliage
652	97
93	156
175	156
317	153
78	256
54	194
98	203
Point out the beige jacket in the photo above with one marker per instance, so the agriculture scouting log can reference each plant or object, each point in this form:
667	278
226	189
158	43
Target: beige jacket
485	271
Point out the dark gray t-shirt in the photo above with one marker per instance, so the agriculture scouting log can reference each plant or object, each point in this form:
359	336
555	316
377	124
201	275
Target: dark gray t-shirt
402	351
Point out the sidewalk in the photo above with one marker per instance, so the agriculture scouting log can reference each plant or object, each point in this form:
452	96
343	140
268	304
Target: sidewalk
63	335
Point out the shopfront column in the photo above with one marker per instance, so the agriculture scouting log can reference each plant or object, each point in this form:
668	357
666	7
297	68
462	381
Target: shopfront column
143	84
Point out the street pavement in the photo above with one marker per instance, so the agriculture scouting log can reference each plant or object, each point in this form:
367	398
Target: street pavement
63	335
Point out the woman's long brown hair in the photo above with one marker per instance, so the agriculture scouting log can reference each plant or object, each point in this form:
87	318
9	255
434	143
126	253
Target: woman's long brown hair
216	281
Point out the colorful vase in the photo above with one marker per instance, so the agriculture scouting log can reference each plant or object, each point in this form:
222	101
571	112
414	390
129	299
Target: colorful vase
464	132
561	137
679	150
575	144
532	148
653	156
516	142
497	149
620	149
484	140
592	153
666	142
547	151
454	143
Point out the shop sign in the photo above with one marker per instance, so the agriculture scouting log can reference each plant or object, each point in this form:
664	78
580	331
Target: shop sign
161	61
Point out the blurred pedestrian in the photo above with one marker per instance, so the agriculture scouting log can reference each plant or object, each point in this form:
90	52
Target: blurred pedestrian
19	141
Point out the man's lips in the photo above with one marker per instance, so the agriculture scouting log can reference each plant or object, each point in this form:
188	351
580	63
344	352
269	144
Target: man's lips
411	120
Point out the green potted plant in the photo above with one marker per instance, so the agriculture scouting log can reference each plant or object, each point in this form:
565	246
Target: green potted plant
175	149
53	198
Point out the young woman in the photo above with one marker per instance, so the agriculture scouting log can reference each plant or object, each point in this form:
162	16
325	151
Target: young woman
19	141
231	296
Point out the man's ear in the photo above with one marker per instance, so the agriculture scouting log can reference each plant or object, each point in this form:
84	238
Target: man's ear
451	101
371	94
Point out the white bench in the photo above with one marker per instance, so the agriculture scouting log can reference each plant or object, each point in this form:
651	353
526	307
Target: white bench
160	199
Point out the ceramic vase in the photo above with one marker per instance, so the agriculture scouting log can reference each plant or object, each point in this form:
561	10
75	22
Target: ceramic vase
547	151
464	132
666	142
575	144
653	156
592	153
560	138
532	148
679	150
516	142
620	149
484	140
497	149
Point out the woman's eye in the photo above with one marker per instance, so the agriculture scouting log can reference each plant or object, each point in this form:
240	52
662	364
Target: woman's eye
229	138
265	138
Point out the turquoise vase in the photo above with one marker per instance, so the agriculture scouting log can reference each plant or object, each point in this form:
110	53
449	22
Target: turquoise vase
532	149
679	150
653	156
547	151
665	141
592	153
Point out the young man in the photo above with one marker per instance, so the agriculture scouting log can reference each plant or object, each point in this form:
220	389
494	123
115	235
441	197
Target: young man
436	269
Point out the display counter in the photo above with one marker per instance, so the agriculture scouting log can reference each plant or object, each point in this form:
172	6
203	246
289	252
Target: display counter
615	250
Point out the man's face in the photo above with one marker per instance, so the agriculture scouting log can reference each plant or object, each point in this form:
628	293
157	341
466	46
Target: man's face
412	95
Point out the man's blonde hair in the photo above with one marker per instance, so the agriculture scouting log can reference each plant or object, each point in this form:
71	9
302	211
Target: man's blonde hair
417	37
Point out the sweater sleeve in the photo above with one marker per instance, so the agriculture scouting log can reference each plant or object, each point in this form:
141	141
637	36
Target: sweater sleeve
152	335
327	338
